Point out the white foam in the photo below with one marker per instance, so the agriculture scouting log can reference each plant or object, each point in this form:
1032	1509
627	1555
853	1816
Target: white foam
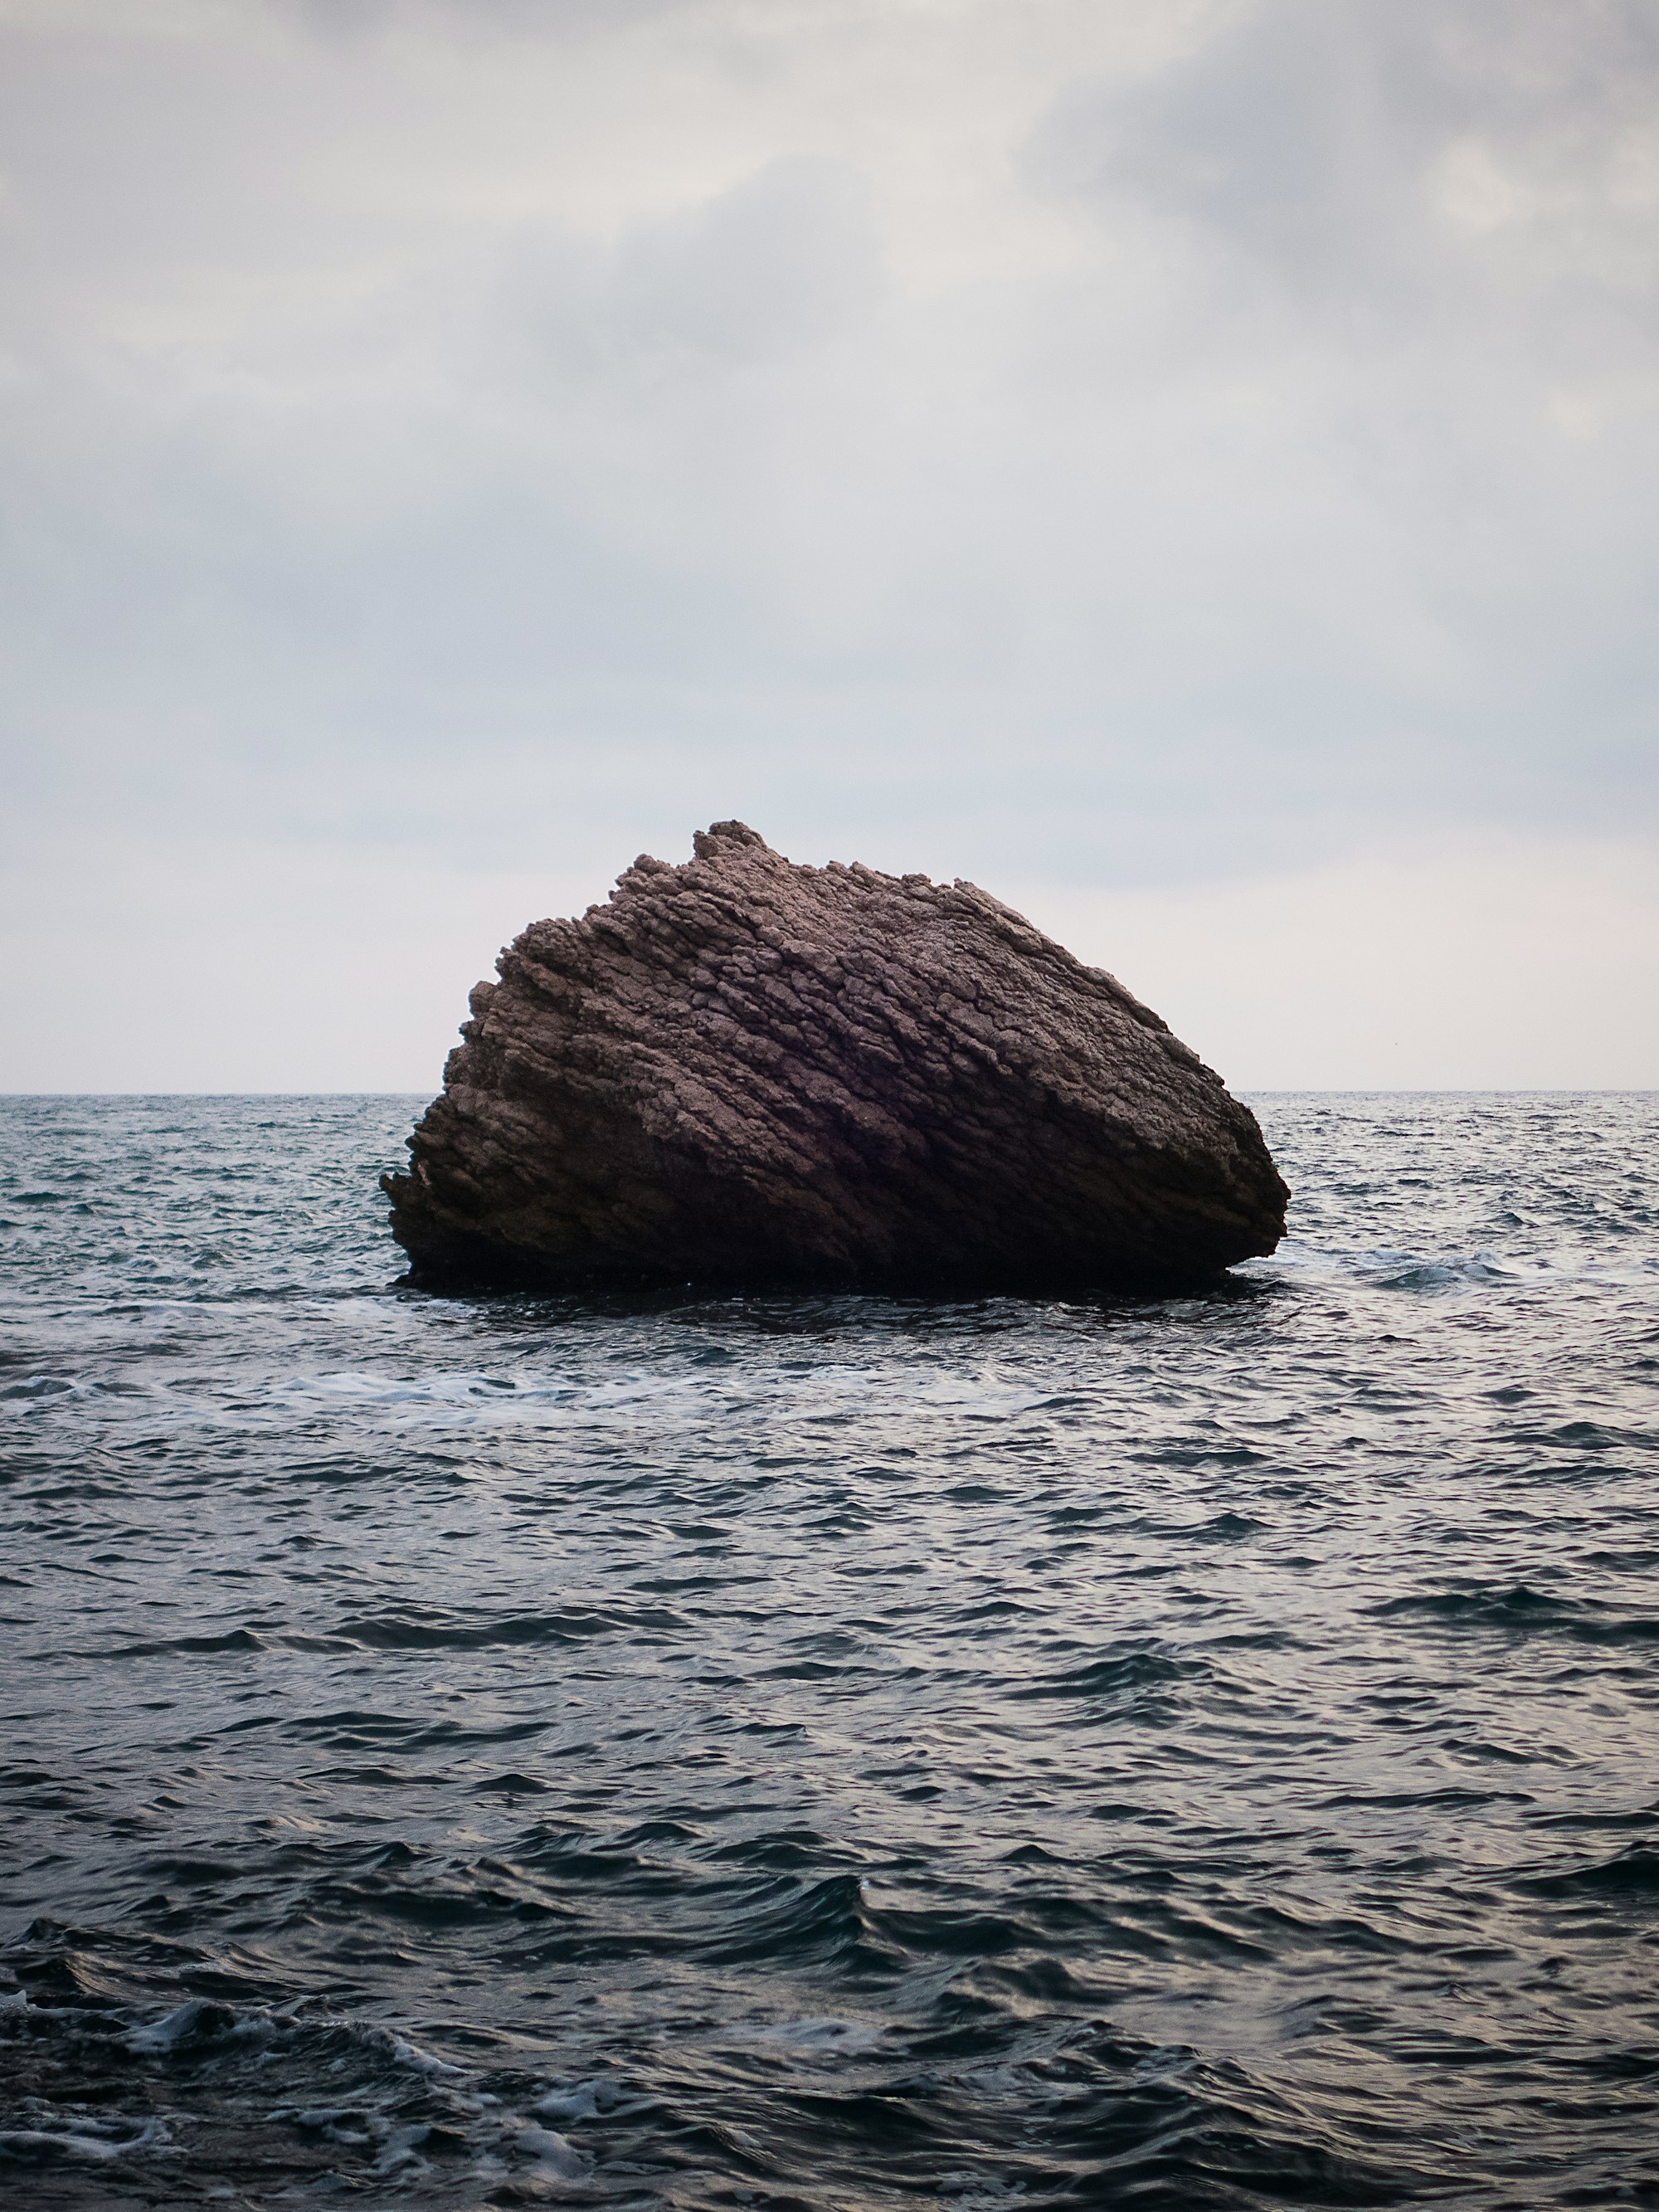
552	2151
1379	1267
82	2139
160	2037
582	2100
399	2154
402	2052
341	2122
165	2035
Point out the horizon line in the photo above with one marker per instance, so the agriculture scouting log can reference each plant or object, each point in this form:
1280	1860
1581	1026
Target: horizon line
1242	1090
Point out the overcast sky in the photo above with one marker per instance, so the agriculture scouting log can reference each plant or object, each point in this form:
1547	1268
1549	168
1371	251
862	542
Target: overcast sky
1189	465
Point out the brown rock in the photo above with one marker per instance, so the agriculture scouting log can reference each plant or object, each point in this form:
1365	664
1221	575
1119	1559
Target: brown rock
745	1072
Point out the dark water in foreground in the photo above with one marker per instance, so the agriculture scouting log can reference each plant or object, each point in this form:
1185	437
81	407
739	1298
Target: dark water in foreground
830	1753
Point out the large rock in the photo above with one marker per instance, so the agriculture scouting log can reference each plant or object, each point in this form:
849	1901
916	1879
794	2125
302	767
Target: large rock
741	1072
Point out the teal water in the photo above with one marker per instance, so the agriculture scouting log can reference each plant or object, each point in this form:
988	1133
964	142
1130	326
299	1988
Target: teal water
830	1753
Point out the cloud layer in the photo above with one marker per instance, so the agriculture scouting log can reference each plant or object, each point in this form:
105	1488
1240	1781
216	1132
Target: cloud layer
1129	449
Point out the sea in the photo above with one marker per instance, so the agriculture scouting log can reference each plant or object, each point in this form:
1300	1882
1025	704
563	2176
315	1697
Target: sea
820	1754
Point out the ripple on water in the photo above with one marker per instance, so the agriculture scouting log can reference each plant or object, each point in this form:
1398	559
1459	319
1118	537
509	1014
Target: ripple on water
820	1751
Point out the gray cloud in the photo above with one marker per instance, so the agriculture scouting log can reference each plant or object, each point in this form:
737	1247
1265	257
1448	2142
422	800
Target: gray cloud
1224	448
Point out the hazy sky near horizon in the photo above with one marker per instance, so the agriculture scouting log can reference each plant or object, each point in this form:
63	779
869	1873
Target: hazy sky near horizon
1191	465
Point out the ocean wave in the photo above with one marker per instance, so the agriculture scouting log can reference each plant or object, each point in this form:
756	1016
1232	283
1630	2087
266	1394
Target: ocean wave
203	2084
1489	1269
822	1752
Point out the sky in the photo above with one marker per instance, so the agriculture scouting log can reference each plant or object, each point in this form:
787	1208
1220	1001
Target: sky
1191	466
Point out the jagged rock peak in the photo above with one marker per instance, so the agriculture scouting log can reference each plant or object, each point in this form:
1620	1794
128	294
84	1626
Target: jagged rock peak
744	1072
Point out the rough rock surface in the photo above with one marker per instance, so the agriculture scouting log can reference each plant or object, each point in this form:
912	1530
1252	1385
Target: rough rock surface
743	1071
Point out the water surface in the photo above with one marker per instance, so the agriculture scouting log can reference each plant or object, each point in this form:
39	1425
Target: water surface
830	1753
